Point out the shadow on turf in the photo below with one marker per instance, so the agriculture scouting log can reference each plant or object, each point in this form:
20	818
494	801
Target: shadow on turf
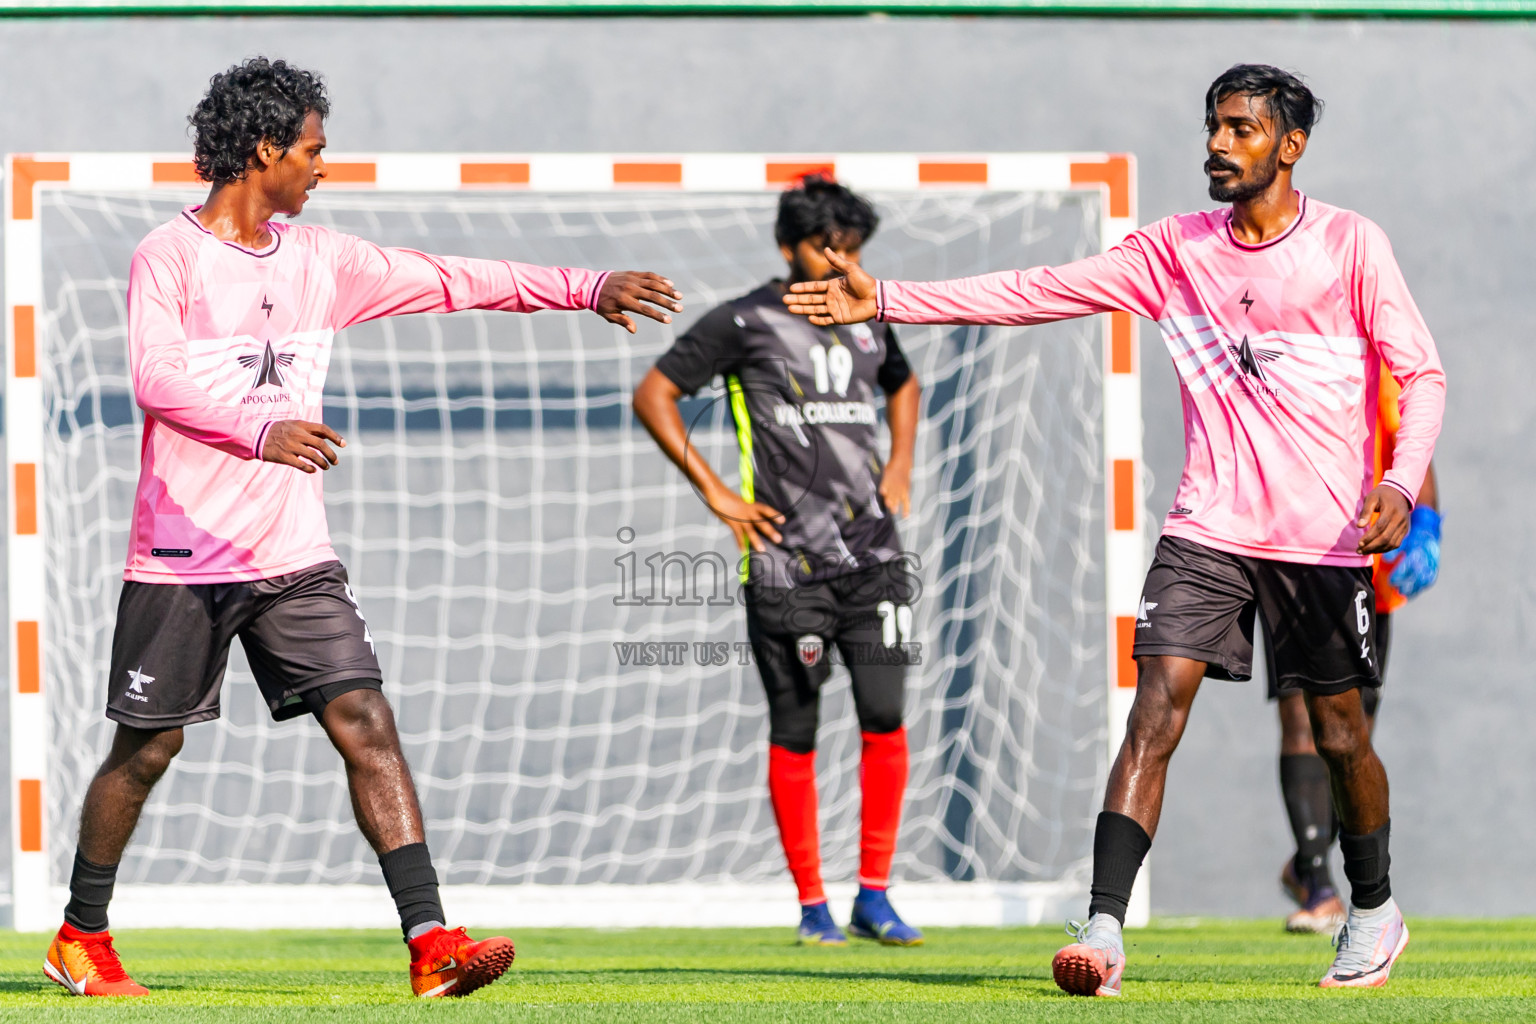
159	986
911	977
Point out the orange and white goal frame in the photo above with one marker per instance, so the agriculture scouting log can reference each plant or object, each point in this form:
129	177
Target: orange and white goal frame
36	903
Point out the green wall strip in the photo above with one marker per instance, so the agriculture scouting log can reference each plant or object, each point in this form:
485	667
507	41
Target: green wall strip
1266	8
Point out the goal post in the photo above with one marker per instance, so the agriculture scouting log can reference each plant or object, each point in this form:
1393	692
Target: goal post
565	659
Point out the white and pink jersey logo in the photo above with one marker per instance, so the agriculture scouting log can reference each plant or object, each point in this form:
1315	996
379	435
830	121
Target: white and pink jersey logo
224	341
1278	348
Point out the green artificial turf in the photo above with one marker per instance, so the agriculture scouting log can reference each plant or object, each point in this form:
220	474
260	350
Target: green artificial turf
1178	971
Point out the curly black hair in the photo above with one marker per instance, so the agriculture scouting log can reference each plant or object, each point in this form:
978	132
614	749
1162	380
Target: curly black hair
819	206
258	100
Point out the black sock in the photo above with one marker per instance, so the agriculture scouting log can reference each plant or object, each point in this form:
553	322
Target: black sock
90	890
1119	846
1366	861
1309	804
413	883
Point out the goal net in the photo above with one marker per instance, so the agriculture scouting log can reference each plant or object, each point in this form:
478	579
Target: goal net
558	615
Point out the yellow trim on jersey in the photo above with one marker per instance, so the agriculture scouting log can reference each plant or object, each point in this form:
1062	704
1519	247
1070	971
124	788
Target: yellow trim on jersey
743	442
743	434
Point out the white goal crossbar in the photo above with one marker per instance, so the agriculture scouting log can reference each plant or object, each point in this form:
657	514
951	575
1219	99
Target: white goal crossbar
37	897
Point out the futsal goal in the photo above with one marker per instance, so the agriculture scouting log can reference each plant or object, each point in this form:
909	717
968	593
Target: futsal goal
557	614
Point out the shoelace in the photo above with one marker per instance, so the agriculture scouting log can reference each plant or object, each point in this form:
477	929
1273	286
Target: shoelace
1348	957
104	958
1079	931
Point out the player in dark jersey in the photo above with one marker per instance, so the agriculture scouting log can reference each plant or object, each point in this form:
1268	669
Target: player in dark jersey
822	562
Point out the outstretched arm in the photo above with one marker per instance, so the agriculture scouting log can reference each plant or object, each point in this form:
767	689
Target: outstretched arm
373	281
656	406
850	299
635	291
1136	275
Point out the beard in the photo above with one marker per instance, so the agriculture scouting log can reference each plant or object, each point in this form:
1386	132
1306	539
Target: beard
1242	189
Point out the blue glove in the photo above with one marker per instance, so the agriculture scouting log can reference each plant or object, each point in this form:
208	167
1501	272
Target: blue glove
1418	559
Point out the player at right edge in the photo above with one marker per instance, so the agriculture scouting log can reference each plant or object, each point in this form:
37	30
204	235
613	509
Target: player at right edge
1280	313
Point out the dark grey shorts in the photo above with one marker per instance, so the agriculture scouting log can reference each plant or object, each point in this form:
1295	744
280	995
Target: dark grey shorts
1383	646
302	633
1199	603
866	616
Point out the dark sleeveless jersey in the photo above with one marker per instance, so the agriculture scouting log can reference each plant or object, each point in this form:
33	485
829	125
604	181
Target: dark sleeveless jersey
803	401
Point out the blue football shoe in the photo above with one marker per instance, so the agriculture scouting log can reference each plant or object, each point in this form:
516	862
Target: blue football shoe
817	927
875	918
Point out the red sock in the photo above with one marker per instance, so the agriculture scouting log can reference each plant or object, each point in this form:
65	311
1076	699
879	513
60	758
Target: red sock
792	789
883	772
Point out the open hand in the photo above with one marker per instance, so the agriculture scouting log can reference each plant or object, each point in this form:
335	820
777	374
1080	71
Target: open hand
850	299
750	521
637	291
303	445
1389	507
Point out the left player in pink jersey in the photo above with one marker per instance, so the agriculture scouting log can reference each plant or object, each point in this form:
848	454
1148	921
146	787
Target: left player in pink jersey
1280	313
230	322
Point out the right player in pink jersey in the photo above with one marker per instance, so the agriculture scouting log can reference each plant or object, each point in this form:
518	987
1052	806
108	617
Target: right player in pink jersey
230	323
1280	313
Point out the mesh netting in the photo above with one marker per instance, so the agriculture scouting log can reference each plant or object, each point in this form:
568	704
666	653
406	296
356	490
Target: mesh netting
496	488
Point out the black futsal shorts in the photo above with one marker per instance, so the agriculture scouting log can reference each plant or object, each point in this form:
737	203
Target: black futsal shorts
1383	646
1199	603
865	617
302	633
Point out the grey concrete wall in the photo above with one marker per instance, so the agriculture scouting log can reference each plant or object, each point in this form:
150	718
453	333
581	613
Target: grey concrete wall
1426	132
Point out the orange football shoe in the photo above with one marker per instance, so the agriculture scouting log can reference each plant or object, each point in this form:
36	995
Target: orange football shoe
86	964
1095	963
450	963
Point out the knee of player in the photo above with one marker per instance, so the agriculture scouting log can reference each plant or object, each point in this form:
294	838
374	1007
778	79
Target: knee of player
362	719
150	761
1338	740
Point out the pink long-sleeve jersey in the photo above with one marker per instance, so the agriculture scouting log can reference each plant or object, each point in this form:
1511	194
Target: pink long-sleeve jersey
224	341
1278	348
